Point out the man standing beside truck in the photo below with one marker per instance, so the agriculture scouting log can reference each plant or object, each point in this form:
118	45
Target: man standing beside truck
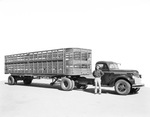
98	73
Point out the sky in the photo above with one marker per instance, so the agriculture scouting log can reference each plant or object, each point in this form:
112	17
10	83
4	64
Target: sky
115	30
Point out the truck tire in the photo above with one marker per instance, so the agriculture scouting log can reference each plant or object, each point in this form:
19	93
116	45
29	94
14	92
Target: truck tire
85	86
122	87
79	86
11	80
27	81
66	84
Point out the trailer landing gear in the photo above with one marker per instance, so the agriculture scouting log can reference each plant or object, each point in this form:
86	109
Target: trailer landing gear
54	80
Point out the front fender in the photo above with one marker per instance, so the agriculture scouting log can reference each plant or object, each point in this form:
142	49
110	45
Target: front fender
124	77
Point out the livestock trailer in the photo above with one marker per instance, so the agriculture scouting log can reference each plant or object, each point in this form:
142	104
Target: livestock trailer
67	64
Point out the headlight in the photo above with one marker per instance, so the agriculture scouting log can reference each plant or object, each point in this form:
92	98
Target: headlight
134	77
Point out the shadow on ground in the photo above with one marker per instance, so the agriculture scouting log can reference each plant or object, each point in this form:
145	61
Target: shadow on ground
104	91
57	86
39	85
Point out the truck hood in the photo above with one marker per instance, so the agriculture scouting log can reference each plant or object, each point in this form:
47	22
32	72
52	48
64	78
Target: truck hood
125	71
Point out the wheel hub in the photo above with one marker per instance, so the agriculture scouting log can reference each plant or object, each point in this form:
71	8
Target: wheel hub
122	87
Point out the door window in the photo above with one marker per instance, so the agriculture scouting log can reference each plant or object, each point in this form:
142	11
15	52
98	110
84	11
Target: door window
103	66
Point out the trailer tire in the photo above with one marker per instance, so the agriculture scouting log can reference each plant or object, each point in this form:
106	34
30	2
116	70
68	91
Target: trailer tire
11	80
73	84
27	81
66	84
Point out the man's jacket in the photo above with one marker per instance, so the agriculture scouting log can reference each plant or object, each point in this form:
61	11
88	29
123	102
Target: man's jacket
98	73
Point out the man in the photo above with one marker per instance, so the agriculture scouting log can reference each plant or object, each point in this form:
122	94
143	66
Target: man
98	74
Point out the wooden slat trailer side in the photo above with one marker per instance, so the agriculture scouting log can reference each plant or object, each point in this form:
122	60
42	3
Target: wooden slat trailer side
70	65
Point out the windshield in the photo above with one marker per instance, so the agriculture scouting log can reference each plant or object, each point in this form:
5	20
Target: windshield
113	66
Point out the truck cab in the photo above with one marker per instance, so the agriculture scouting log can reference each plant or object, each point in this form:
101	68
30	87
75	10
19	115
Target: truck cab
124	81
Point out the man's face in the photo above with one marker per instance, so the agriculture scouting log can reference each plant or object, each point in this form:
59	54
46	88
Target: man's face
98	67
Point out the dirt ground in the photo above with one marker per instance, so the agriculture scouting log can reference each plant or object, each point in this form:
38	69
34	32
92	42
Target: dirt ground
42	100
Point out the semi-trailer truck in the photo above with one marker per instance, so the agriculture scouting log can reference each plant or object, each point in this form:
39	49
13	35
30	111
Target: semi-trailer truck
72	67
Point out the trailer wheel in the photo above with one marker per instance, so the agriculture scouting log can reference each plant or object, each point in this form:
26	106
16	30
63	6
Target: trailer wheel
73	84
27	81
11	80
66	84
122	87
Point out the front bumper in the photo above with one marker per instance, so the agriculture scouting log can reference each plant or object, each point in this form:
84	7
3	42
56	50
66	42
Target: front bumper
137	85
138	82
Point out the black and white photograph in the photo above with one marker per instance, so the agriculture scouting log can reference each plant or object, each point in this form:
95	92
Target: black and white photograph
74	58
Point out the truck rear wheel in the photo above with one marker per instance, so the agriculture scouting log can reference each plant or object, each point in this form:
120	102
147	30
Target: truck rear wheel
122	87
27	81
66	84
84	86
11	80
79	86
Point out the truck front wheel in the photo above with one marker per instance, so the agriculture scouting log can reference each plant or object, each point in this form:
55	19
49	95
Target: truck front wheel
66	84
122	87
